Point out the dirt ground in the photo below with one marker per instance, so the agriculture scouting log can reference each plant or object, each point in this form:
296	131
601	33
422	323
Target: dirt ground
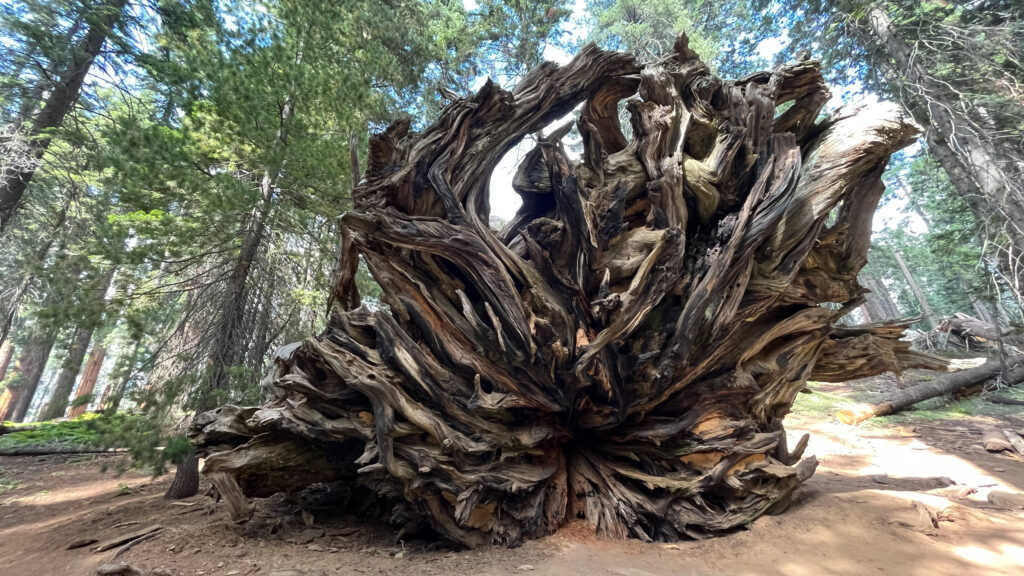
868	510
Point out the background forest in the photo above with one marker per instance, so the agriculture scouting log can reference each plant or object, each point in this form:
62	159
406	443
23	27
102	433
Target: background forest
173	170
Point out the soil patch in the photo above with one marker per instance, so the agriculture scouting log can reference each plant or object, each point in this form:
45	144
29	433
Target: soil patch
905	497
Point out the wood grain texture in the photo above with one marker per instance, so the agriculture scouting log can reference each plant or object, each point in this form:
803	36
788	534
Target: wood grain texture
624	350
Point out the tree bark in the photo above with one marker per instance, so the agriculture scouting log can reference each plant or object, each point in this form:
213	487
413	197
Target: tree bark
263	312
61	100
6	398
624	350
225	349
878	302
186	479
922	300
114	393
902	398
6	353
95	301
28	371
992	186
67	376
89	377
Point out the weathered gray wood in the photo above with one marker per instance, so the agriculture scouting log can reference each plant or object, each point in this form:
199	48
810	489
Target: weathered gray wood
902	398
624	350
125	538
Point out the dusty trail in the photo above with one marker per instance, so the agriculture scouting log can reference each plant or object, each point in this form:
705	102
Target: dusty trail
856	516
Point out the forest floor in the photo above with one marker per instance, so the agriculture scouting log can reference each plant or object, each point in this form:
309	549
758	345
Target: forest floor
869	509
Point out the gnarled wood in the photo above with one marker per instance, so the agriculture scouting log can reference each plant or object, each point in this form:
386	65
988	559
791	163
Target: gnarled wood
625	349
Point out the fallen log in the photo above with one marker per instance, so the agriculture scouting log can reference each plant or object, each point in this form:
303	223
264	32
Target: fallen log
995	399
624	350
131	543
946	384
1015	440
962	331
994	440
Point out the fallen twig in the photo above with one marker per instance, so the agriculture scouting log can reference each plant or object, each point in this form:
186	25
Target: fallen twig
118	540
128	546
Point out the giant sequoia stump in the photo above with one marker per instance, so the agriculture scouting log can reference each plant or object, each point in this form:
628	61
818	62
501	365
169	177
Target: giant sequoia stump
624	350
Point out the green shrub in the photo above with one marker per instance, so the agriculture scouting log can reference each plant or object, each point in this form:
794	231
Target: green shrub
87	430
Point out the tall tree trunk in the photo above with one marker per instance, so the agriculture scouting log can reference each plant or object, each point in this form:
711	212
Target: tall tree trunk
990	184
30	100
257	349
89	377
866	311
878	302
6	399
981	311
891	309
58	403
72	365
225	351
61	100
922	300
114	393
28	371
6	353
186	478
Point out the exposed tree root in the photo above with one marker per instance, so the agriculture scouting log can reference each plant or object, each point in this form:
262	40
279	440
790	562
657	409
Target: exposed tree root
625	349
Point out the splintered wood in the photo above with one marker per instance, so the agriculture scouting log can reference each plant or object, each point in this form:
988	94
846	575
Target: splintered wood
624	350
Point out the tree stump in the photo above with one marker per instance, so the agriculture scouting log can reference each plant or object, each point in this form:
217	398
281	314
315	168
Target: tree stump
624	350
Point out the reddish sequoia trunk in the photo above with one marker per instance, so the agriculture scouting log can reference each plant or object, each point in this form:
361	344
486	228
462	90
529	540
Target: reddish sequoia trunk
58	402
28	371
6	397
88	383
624	350
115	391
6	353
